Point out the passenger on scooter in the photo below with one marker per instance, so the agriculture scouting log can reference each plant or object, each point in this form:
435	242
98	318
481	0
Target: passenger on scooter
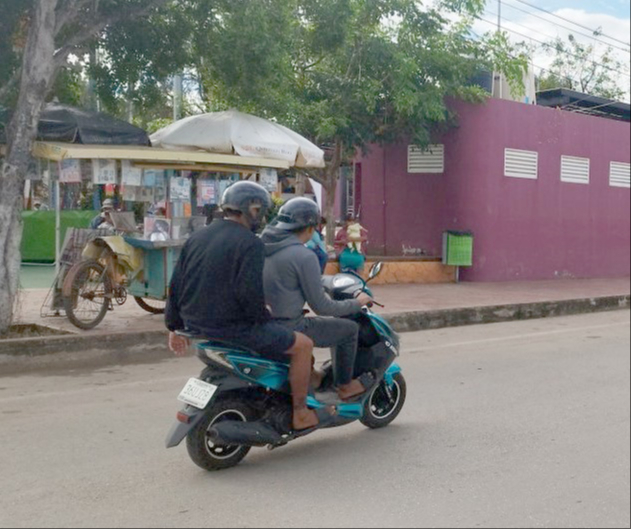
293	278
217	291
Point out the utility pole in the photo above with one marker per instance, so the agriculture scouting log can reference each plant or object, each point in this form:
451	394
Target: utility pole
177	97
499	30
499	16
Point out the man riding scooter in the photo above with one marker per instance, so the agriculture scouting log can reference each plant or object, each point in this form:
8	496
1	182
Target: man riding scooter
217	292
293	278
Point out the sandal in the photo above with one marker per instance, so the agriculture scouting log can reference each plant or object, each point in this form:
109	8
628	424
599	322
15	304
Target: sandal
368	381
326	417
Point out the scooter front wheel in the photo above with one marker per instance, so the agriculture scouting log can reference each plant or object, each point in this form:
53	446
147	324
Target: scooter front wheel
212	457
385	403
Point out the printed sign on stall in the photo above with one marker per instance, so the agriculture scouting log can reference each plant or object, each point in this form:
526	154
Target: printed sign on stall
70	171
153	178
206	192
180	189
131	193
269	179
104	171
145	194
132	176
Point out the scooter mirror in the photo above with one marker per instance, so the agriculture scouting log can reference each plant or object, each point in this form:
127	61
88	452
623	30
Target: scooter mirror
375	271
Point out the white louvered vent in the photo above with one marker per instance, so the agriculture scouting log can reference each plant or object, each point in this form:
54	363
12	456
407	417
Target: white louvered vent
521	164
429	160
620	175
575	170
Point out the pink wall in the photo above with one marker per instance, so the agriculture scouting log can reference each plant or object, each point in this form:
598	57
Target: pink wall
524	229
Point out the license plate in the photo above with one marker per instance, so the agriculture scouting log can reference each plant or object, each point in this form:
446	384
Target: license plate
197	393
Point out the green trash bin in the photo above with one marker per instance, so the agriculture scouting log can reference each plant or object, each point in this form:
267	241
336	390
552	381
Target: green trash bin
458	248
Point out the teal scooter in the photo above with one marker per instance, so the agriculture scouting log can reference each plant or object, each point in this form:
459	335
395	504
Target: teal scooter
242	401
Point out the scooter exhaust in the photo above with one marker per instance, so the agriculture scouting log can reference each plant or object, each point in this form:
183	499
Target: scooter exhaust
255	434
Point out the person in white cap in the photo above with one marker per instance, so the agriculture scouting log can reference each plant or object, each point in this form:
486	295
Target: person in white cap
102	218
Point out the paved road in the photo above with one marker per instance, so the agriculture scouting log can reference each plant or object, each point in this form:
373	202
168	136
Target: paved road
511	425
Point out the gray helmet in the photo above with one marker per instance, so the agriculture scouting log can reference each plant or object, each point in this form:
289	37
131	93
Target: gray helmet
242	195
298	214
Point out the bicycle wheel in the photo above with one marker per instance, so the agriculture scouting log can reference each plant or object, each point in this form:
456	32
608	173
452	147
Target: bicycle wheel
90	294
152	306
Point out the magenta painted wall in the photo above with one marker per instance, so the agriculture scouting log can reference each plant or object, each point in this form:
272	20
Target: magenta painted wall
524	229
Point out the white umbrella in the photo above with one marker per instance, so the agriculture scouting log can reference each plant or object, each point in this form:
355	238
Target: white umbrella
246	135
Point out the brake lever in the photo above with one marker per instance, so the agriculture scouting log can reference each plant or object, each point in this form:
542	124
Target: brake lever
378	304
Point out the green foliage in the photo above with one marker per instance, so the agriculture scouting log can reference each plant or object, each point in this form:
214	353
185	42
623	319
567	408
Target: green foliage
277	203
582	68
69	88
14	17
351	71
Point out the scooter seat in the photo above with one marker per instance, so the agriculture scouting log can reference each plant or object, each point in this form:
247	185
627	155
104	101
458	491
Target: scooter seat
225	347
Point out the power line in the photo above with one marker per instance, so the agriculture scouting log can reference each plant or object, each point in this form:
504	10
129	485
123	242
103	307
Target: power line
570	54
490	13
592	36
558	75
562	76
570	21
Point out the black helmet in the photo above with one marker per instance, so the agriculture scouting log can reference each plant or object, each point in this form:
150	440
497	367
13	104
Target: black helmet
242	195
298	214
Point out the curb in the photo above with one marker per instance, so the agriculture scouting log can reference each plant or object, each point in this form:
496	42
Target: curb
61	353
438	319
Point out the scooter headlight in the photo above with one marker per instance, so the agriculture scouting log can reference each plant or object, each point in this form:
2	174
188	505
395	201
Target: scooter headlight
343	282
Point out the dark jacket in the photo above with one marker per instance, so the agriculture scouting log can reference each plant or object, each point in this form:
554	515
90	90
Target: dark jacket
218	280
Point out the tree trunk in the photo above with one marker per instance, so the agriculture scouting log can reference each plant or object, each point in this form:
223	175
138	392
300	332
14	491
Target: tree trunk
38	70
331	176
330	187
301	185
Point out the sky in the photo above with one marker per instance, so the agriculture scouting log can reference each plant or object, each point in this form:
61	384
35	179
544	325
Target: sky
612	16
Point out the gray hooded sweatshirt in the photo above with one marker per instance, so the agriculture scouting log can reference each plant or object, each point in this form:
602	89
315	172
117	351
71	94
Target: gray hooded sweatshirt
293	278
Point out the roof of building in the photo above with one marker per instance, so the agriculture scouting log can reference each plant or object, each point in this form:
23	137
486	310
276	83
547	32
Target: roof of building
573	101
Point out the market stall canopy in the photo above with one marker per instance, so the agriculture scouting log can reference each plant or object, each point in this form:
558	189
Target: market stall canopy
247	136
61	123
150	157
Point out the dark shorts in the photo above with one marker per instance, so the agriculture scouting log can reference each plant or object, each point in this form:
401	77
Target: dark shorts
271	340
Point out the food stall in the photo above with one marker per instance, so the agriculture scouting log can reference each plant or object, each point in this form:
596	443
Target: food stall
186	170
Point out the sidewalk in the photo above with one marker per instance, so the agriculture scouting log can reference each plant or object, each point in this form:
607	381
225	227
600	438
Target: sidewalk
396	298
129	331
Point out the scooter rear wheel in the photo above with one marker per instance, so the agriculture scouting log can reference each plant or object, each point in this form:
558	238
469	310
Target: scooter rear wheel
385	403
213	457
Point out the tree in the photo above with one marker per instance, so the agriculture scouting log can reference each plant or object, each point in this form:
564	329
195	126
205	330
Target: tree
43	35
583	68
351	73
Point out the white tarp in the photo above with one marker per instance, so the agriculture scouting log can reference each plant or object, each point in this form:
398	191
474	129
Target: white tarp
242	134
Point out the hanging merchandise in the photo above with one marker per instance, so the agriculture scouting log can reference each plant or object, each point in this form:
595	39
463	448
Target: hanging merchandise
146	195
180	189
149	178
131	176
34	171
70	171
223	185
269	179
160	195
131	193
104	171
206	192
